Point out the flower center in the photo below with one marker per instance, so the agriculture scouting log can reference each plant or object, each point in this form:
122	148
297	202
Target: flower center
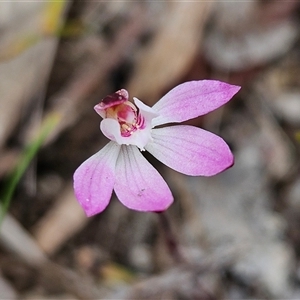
127	116
117	107
124	122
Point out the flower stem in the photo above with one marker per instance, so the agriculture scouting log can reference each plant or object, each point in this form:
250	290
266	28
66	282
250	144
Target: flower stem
170	238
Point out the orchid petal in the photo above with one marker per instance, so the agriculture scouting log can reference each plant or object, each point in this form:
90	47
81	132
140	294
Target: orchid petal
94	179
192	99
190	150
138	184
148	112
111	129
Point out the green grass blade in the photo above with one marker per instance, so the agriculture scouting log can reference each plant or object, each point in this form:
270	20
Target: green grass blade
26	157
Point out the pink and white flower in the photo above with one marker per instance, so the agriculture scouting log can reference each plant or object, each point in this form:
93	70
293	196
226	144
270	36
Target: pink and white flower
120	166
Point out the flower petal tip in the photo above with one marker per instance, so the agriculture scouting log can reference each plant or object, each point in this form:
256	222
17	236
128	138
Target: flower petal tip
94	179
230	163
89	209
160	206
234	89
90	206
143	189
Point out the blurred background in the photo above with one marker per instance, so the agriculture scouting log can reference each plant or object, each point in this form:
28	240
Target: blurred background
238	231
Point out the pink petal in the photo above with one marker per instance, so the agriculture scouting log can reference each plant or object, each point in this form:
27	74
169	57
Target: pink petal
192	99
190	150
94	179
138	185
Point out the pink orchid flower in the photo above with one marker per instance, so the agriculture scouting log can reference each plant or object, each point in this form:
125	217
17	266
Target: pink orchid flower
120	166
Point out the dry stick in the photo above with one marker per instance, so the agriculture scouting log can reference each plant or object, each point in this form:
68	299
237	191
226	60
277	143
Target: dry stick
16	239
172	51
